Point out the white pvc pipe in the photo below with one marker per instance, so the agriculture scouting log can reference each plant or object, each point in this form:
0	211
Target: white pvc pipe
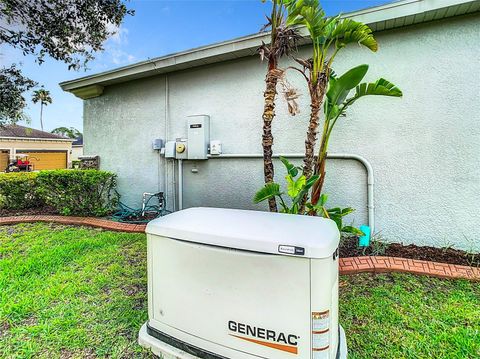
165	161
349	156
180	185
370	184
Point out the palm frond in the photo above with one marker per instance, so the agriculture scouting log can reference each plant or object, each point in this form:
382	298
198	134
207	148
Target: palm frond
270	190
381	87
349	31
290	94
286	41
292	170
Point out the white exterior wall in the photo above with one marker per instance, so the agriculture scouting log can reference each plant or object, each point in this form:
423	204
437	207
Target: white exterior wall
424	148
77	151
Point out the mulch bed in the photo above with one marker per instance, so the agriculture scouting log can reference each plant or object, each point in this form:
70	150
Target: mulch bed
136	218
45	210
349	248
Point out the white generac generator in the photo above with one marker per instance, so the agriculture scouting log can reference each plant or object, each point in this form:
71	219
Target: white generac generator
237	284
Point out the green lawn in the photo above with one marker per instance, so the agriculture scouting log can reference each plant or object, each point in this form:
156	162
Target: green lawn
69	292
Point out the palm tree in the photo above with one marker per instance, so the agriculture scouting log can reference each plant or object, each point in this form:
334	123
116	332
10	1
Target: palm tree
42	96
282	41
329	36
336	104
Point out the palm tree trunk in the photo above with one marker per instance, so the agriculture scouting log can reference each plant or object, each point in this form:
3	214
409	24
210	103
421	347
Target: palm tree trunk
267	137
41	115
320	170
311	135
317	92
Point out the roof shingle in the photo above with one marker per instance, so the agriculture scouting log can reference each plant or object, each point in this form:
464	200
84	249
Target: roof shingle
27	132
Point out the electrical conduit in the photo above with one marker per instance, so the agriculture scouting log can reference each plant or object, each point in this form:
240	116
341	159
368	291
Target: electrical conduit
348	156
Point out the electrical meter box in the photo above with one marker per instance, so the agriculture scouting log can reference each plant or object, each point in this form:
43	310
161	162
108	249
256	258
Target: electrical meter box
181	149
235	284
198	133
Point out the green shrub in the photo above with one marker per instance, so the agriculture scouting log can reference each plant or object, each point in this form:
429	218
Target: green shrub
79	192
18	190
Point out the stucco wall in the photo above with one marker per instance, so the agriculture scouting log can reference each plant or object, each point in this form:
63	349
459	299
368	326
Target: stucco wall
77	151
424	148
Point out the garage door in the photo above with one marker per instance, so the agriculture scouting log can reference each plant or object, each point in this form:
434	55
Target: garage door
52	160
4	157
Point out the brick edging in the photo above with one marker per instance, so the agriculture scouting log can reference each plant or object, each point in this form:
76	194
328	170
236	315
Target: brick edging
350	265
80	221
353	265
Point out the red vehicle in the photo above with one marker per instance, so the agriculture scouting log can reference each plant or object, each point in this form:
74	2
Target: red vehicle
21	164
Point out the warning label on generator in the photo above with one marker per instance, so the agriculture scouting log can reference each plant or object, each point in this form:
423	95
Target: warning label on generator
320	321
320	334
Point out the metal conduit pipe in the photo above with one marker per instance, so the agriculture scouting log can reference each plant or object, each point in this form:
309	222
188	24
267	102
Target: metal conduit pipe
349	156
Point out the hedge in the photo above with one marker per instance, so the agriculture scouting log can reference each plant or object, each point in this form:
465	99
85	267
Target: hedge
70	192
18	191
79	192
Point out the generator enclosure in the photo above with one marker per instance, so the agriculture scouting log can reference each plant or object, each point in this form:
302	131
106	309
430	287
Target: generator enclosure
225	283
198	133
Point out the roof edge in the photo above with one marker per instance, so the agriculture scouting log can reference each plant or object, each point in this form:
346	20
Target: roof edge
13	138
92	85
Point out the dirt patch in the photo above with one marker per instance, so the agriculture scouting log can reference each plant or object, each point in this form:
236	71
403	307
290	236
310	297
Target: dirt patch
4	328
86	353
45	210
349	248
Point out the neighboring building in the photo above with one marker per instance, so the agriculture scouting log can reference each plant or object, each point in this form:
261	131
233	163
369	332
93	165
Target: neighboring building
45	150
424	147
77	148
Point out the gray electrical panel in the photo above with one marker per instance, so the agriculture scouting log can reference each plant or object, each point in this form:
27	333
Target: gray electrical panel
157	144
198	133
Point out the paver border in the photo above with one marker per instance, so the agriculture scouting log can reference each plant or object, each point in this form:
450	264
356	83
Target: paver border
80	221
379	264
349	265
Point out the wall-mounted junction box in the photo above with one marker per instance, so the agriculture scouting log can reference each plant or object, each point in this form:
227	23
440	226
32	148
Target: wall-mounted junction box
198	133
157	144
215	147
170	149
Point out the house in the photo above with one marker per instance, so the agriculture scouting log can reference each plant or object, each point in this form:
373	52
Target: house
423	148
77	148
45	150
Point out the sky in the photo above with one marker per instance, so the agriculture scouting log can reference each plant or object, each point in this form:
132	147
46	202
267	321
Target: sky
158	28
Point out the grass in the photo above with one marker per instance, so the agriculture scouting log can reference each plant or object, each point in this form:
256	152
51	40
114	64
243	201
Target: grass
68	292
405	316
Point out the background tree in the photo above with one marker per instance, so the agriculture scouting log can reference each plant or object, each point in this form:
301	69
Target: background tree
66	30
282	41
69	132
42	96
12	86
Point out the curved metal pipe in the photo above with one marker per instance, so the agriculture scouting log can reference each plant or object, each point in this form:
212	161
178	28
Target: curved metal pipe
349	156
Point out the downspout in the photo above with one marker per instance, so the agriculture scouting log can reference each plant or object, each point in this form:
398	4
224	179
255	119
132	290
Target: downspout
349	156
